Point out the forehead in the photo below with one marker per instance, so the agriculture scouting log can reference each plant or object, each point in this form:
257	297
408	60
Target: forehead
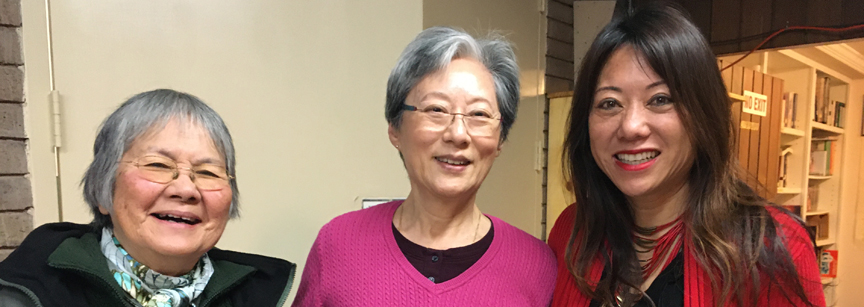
627	66
462	79
177	137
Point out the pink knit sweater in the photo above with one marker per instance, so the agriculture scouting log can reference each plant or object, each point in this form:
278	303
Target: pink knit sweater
355	262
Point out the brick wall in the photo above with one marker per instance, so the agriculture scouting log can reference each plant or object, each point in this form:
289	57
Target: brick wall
560	70
16	197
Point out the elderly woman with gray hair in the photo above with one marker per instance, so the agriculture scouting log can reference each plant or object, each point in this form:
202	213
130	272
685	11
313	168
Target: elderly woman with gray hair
451	101
162	189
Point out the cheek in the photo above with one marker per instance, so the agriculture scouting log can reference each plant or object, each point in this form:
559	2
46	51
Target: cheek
488	147
132	191
218	203
677	135
596	135
417	143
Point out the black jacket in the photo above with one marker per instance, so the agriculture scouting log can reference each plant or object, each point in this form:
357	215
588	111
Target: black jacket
61	264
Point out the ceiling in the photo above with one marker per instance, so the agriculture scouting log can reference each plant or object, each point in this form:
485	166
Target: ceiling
845	58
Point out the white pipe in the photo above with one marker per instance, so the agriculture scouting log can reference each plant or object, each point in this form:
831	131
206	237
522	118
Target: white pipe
54	100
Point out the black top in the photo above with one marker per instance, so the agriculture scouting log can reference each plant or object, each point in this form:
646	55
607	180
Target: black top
667	290
442	265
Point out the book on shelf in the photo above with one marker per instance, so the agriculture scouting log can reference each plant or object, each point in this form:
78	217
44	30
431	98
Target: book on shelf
794	110
829	112
785	110
839	112
818	163
817	100
822	156
822	100
781	182
828	263
826	105
812	198
784	166
790	105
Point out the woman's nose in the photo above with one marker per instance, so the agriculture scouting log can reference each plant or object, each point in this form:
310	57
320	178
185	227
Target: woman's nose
457	131
183	187
634	123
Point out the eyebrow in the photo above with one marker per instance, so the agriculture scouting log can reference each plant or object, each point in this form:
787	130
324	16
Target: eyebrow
439	95
618	89
471	100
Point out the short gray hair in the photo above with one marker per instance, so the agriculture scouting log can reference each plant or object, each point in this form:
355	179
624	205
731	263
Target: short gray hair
434	49
141	114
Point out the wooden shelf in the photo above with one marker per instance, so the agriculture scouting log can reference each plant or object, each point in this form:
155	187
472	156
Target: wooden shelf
788	191
817	177
736	97
825	242
791	132
826	128
814	213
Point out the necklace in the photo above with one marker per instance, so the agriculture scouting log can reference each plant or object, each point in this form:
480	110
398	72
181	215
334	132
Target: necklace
476	228
659	247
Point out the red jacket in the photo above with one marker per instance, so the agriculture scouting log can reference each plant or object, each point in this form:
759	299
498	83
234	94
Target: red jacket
697	284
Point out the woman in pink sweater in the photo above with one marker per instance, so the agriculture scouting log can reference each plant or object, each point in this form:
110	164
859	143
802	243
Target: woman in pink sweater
451	101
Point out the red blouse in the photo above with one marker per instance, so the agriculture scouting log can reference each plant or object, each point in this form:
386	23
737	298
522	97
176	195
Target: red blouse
697	284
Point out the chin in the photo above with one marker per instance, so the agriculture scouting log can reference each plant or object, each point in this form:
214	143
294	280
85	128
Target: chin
179	248
632	190
451	191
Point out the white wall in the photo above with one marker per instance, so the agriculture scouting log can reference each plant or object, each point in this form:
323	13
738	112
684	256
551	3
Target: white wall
513	189
300	84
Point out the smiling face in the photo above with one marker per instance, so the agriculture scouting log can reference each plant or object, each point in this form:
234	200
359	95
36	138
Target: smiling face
637	137
168	226
449	162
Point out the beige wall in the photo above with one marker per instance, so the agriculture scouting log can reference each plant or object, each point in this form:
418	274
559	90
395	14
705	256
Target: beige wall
299	83
512	191
850	239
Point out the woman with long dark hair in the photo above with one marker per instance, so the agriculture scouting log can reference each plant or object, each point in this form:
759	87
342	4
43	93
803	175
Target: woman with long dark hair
662	216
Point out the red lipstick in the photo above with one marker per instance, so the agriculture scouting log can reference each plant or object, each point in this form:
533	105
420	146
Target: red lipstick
635	167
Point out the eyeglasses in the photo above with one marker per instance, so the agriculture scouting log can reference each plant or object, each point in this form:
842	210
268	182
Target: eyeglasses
161	169
480	123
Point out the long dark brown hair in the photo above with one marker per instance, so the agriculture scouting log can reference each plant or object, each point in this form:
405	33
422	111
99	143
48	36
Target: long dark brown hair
733	236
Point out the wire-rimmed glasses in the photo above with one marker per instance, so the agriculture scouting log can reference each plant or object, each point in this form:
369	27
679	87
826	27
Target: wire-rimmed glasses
479	123
159	169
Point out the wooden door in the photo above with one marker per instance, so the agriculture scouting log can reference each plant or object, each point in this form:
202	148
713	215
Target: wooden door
757	142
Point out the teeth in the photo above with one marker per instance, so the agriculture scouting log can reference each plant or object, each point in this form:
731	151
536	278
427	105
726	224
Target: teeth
177	218
454	162
639	158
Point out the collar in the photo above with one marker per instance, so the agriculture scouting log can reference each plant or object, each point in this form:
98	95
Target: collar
84	257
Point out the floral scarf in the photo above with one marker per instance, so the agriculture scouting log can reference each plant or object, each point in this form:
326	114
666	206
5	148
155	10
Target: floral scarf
149	287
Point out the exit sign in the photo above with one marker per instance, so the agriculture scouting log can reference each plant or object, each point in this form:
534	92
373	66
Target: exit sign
756	104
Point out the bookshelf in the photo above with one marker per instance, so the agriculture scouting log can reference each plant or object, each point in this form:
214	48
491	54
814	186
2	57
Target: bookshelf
811	143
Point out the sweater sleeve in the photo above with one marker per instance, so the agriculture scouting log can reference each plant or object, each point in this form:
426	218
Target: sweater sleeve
803	255
808	271
309	294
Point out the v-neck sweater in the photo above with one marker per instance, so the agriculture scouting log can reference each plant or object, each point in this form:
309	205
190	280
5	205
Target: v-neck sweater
443	265
355	261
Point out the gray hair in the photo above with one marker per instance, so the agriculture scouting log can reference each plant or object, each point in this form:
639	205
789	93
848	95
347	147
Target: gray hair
434	49
141	114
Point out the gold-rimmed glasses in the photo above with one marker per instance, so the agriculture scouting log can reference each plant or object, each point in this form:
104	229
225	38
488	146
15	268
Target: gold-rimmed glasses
479	122
159	169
